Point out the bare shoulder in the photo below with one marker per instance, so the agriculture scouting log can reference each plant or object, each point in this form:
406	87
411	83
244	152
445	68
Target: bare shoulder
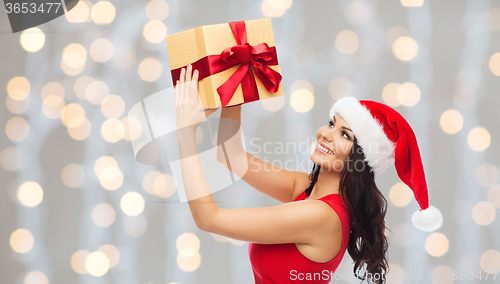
302	182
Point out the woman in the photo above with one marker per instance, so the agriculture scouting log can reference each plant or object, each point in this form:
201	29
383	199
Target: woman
304	240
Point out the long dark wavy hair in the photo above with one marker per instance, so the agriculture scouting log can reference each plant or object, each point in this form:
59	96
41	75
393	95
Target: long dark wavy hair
367	206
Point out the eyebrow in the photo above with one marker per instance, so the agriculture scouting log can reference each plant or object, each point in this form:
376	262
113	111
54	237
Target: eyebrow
335	121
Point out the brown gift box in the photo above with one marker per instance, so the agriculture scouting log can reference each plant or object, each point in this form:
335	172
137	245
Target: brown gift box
189	46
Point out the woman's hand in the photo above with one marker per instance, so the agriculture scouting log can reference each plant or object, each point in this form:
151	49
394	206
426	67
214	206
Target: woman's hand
188	111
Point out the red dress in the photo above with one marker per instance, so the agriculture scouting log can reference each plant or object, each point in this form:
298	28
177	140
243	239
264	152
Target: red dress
284	263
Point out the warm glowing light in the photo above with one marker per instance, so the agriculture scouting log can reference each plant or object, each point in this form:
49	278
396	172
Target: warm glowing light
495	64
32	39
347	42
101	50
490	261
188	244
81	85
132	203
487	175
157	10
302	100
17	128
78	261
148	181
52	89
103	215
155	31
97	263
96	92
493	19
74	55
102	163
79	128
395	33
103	13
437	244
53	106
479	139
400	194
18	88
71	111
17	107
11	158
408	94
111	178
30	194
439	273
135	226
405	48
112	253
494	195
21	241
340	87
267	9
272	104
149	69
112	130
133	128
112	106
35	277
412	3
451	121
73	175
80	13
189	263
124	56
483	213
390	94
219	238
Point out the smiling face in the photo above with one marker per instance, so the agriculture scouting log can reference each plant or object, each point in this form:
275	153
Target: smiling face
338	139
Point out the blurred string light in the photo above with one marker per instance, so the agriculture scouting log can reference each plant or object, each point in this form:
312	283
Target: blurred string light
32	39
149	69
97	263
103	215
101	50
405	48
494	64
78	261
113	106
400	194
188	258
73	175
406	94
71	111
437	244
494	195
483	213
107	170
479	139
80	13
439	275
492	18
135	226
490	261
340	87
272	104
302	98
18	88
96	92
157	10
103	13
412	3
275	8
15	106
124	56
21	240
17	128
487	175
451	121
79	128
112	130
52	106
155	31
347	41
30	194
135	124
395	33
35	277
132	203
73	59
112	253
11	158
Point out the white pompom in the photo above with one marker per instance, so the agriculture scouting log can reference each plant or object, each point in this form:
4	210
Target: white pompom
428	220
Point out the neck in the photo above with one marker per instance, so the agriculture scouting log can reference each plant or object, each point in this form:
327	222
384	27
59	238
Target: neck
327	183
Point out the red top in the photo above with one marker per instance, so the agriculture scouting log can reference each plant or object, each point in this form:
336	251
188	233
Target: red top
284	263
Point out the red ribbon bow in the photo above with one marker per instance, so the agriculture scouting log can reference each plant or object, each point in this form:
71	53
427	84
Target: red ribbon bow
258	56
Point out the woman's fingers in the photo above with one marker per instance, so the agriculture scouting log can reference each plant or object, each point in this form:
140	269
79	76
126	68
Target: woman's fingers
194	86
181	86
176	91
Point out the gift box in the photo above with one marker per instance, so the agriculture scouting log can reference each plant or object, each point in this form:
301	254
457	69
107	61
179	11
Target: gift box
237	61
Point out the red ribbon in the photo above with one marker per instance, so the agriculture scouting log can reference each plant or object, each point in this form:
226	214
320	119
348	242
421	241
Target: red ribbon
259	57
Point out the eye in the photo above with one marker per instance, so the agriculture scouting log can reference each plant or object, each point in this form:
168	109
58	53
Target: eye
346	135
330	123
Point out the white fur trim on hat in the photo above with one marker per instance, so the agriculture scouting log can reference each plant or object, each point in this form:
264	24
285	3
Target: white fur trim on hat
428	220
377	148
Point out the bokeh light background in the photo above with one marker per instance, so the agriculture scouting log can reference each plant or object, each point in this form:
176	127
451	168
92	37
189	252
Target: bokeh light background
77	208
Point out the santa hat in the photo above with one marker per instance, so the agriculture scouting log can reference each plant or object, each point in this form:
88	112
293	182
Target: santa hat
386	138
